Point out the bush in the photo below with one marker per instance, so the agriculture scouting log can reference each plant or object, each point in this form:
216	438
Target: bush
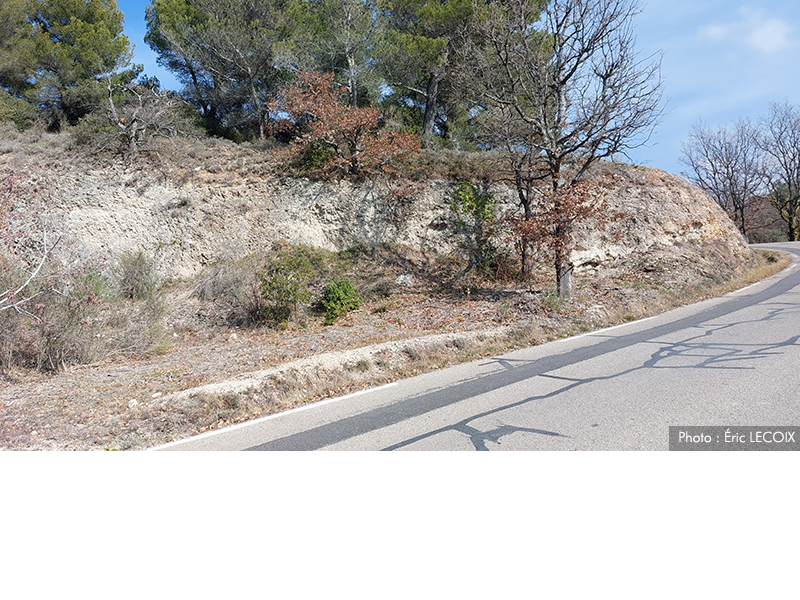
339	297
766	236
136	274
47	301
264	287
54	329
64	329
235	288
16	111
284	285
474	217
316	156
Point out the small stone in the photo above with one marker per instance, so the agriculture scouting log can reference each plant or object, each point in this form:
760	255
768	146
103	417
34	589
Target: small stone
156	395
132	403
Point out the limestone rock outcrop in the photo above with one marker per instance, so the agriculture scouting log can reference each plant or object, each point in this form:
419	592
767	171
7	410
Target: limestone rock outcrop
187	226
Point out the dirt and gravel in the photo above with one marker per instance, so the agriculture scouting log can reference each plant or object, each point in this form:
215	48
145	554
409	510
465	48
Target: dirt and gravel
191	366
210	377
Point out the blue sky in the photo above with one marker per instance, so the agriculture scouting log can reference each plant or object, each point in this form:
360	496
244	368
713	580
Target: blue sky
722	60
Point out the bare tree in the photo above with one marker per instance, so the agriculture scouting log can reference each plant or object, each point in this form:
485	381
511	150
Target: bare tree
729	165
563	87
142	112
781	143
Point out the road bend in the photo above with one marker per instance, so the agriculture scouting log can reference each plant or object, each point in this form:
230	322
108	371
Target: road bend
730	361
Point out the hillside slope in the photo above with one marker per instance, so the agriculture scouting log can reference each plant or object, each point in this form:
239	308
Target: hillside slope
181	365
192	216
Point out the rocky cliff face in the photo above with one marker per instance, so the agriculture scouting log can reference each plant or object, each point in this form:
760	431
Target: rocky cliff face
663	217
196	223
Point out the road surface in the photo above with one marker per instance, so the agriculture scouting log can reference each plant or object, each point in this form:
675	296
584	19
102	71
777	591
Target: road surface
730	361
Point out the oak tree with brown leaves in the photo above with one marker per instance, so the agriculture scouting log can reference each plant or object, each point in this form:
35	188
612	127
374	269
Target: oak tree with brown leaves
550	220
354	137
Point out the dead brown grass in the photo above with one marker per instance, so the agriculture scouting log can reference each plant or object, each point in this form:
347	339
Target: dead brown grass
189	334
295	387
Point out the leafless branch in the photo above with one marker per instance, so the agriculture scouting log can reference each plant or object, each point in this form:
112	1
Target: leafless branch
563	89
729	165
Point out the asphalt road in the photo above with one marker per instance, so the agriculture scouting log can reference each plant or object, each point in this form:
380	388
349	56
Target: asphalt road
730	361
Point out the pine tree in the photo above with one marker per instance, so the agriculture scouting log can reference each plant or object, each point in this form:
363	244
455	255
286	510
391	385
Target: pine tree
227	56
418	55
77	44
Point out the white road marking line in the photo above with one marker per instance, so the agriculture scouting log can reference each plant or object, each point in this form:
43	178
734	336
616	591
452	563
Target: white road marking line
276	415
601	331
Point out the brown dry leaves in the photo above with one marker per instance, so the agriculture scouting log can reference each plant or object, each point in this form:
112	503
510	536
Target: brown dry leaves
355	134
117	404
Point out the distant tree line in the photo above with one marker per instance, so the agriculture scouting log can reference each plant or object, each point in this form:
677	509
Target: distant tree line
749	162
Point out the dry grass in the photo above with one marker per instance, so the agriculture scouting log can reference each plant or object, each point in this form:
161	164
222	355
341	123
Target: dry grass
296	387
122	403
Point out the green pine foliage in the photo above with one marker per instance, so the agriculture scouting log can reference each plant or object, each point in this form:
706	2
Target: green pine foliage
59	55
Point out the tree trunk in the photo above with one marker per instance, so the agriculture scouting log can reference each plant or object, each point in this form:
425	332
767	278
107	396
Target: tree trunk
564	280
742	226
527	258
563	264
352	84
261	111
428	121
355	158
524	194
563	245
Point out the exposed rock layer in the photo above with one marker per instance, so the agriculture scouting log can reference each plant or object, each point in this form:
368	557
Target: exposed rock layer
188	226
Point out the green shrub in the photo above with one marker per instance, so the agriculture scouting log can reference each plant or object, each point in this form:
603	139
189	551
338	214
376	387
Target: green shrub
17	111
284	284
316	156
339	297
474	218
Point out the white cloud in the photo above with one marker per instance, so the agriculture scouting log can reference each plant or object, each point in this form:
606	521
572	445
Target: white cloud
770	36
758	31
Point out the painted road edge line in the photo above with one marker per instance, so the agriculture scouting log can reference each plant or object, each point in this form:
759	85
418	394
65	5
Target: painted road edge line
243	424
604	329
